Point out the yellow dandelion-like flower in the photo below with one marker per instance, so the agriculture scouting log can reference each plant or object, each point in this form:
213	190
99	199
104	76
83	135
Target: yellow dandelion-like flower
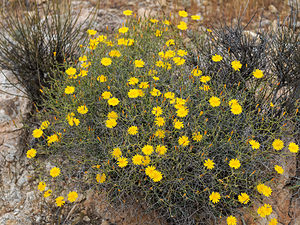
231	220
182	25
47	193
133	93
127	12
182	112
215	197
157	111
102	78
116	153
243	198
82	109
45	125
195	17
178	124
42	186
214	101
293	147
254	144
216	58
91	32
279	169
264	189
149	170
273	222
170	42
139	63
159	121
158	33
232	102
155	92
183	13
179	61
196	72
115	53
236	109
122	162
161	149
54	137
31	153
181	52
113	101
169	95
147	149
72	196
69	90
236	65
112	115
123	30
71	71
144	85
82	59
111	123
209	164
258	73
54	172
264	210
160	133
197	136
37	133
183	140
101	178
137	159
156	176
106	95
234	163
106	61
205	79
60	201
133	130
278	144
146	160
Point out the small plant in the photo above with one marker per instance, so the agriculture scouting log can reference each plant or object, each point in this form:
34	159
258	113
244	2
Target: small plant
36	39
135	116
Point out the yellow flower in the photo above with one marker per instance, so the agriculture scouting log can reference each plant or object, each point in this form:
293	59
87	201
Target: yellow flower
31	153
83	58
234	163
116	153
47	193
205	87
169	54
54	172
112	115
147	149
133	93
161	149
181	52
155	78
153	21
122	162
159	121
137	159
91	32
195	17
271	104
278	144
60	201
183	140
264	210
231	220
179	61
149	170
102	78
72	196
178	124
42	186
146	160
113	101
155	92
182	25
244	198
182	112
197	136
114	53
160	133
156	176
169	95
53	137
293	147
216	58
264	189
82	109
170	42
123	30
182	13
69	90
236	109
215	197
110	123
258	73
133	130
278	169
139	63
106	95
209	164
166	22
133	80
158	33
71	71
254	144
233	101
205	79
106	61
214	101
100	178
127	12
45	125
144	85
273	222
236	65
37	133
196	72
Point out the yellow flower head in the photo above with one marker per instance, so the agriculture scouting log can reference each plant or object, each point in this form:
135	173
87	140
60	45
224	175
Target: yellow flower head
182	112
160	133
156	176
82	58
169	95
216	58
170	42
54	172
153	20
133	93
31	153
149	170
115	53
161	149
112	115
195	17
106	61
264	210
209	164
37	133
111	123
69	90
122	162
47	193
102	78
159	121
273	222
183	13
179	61
133	130
264	189
258	73
139	63
60	201
143	85
244	198
196	72
236	109
183	140
133	80
42	186
214	101
215	197
278	169
45	125
182	25
54	137
123	30
158	33
155	92
234	163
71	71
113	101
278	144
147	149
91	32
116	153
100	178
236	65
293	147
178	124
205	79
197	136
106	95
127	12
82	109
254	144
72	196
231	220
137	159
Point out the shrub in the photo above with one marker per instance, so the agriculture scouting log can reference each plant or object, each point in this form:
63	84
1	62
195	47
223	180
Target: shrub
36	39
137	118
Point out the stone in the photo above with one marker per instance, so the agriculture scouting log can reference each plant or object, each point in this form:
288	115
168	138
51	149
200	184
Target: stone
272	9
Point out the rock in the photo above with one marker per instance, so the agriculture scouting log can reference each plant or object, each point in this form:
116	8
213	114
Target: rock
86	219
273	9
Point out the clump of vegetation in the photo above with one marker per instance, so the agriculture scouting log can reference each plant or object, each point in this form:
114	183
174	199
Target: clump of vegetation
137	117
34	39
